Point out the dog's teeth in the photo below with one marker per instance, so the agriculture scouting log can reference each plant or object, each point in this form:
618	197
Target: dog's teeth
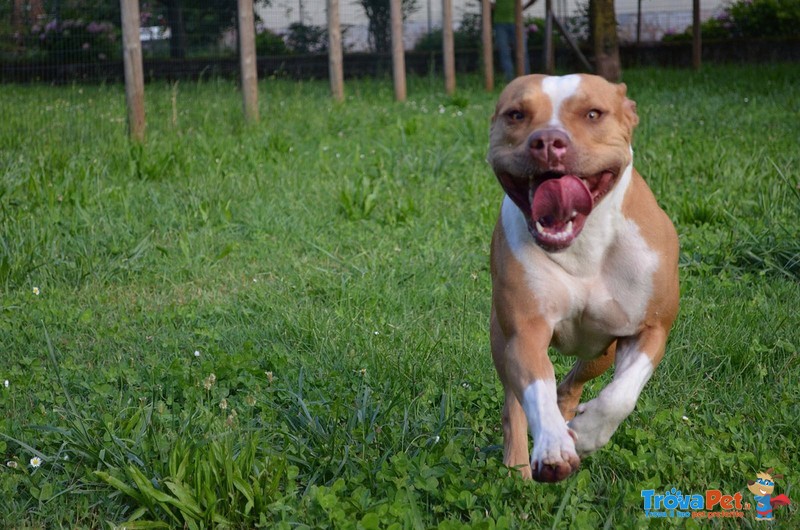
573	215
569	228
539	227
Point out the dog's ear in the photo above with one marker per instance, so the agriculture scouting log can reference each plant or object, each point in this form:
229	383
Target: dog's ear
628	106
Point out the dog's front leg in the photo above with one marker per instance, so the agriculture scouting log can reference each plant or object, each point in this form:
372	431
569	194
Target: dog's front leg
529	379
554	455
636	359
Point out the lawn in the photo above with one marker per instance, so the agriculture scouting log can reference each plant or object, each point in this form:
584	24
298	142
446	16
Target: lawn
286	325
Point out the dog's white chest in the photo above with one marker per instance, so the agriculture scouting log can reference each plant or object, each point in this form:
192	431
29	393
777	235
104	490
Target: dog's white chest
597	290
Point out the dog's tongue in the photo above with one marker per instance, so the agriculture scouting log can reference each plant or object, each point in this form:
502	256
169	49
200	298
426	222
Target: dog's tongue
555	200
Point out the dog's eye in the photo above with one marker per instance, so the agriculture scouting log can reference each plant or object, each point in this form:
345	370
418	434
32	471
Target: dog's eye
594	114
515	115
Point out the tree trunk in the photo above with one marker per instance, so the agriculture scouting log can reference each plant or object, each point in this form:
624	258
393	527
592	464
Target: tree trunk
603	36
177	41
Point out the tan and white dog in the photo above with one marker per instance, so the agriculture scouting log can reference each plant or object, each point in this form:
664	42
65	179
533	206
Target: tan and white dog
583	259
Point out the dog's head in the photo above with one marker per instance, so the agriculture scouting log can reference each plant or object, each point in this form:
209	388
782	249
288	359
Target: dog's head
558	145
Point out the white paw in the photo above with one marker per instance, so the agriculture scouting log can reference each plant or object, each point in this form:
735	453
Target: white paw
593	425
554	456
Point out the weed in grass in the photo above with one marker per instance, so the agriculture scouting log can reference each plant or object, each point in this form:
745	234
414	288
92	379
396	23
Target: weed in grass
358	198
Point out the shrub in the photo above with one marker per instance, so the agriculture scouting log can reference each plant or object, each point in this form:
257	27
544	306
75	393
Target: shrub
305	39
764	18
535	28
748	19
75	39
270	43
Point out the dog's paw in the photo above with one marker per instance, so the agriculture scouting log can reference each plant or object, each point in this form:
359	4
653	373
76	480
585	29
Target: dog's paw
554	456
593	426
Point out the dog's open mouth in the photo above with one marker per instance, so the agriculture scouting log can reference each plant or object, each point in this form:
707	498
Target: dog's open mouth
556	204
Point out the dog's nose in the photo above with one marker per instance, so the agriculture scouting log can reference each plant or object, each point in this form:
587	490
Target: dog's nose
549	145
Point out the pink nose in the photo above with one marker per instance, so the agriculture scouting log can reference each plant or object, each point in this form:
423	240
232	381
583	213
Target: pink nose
549	146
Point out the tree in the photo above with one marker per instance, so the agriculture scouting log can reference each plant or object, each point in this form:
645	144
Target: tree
379	25
603	38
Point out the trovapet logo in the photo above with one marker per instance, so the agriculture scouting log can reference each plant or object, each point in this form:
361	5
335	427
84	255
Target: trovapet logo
714	504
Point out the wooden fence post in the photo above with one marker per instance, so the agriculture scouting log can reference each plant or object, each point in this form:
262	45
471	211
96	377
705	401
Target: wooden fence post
486	40
335	67
519	39
448	47
247	60
398	50
134	73
549	48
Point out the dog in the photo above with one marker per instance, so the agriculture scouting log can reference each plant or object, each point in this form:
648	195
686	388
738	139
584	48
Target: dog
583	259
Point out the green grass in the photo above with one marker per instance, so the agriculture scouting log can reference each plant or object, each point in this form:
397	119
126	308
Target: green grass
330	266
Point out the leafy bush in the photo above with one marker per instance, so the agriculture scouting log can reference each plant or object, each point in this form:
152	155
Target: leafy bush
75	39
269	43
305	38
748	19
535	28
764	18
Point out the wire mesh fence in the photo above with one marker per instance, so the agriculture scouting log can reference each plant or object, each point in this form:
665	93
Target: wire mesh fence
62	40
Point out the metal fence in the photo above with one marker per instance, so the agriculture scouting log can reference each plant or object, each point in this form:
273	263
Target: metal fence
68	39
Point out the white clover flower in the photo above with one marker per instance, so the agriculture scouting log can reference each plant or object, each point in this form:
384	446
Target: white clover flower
197	353
36	462
6	383
36	291
12	464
